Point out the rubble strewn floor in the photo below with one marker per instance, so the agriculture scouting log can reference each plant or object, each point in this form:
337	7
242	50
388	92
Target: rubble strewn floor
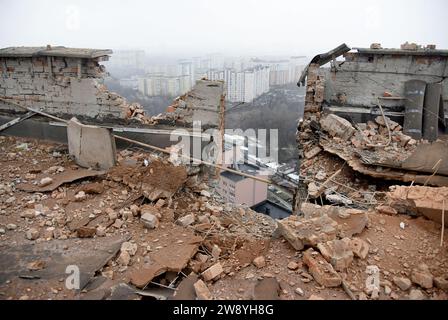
169	224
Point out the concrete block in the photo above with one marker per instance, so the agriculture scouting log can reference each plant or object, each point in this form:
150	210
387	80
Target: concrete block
91	146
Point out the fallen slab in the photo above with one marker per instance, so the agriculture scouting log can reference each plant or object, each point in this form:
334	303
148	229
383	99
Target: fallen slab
91	146
420	200
171	258
67	176
382	172
350	221
89	255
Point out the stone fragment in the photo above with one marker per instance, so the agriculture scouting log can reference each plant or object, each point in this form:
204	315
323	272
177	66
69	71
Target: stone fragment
187	220
403	283
416	294
124	258
386	210
149	220
422	276
259	262
359	247
130	247
32	234
301	232
212	272
45	182
337	252
441	282
337	126
86	232
321	270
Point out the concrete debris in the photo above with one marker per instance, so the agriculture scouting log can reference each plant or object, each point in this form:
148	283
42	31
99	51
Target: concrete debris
350	221
149	220
403	283
259	262
420	200
32	234
174	258
313	152
202	292
422	276
359	247
307	232
213	272
187	220
321	270
91	146
337	252
69	175
337	126
45	182
441	282
386	210
416	294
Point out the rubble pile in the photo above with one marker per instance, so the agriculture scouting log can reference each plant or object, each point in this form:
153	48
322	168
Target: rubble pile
149	228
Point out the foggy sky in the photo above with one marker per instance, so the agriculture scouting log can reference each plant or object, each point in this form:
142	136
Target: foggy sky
237	27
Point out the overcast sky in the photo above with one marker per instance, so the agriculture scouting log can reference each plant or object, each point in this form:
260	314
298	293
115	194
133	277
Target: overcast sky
237	27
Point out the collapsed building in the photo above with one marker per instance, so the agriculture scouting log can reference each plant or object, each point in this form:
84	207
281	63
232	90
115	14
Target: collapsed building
382	111
68	82
145	228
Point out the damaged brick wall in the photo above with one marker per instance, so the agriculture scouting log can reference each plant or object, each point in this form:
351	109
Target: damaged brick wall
363	77
62	86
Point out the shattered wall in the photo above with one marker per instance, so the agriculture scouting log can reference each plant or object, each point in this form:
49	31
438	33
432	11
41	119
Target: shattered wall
364	76
61	86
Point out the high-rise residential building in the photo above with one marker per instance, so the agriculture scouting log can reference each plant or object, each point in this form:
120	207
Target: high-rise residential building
243	86
162	85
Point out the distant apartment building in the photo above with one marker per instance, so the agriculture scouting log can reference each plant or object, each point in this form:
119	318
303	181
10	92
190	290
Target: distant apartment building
128	59
237	189
163	85
131	83
245	85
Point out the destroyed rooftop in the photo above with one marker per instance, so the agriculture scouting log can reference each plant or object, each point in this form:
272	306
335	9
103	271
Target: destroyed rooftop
58	51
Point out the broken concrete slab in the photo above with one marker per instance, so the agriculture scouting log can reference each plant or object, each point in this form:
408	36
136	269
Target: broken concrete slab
91	146
307	232
89	255
337	252
420	200
337	126
381	172
350	221
69	175
171	258
321	270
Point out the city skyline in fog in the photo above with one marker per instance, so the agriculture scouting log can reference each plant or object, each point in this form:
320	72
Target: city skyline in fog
252	27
